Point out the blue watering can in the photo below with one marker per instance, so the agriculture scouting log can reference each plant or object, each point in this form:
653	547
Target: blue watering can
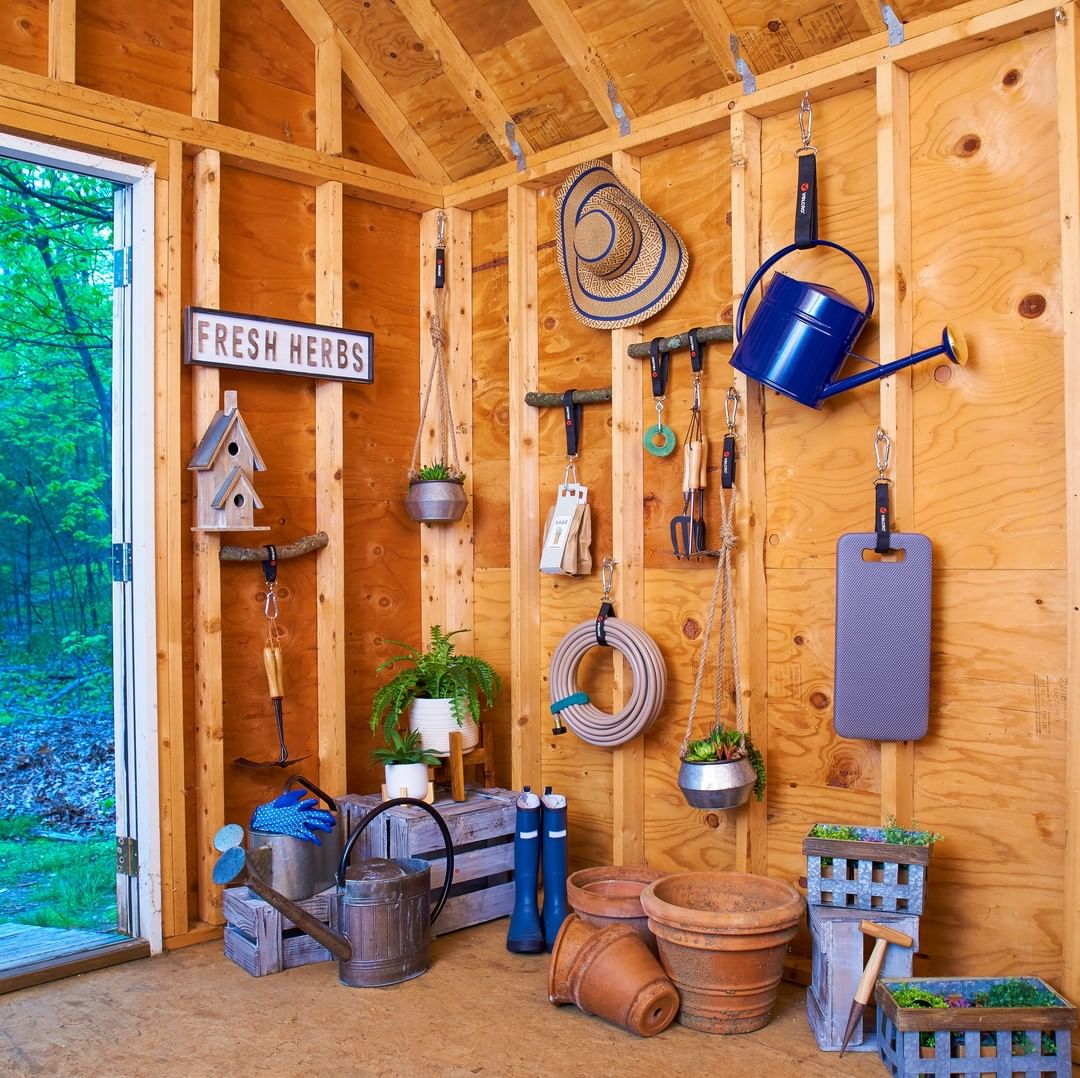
801	334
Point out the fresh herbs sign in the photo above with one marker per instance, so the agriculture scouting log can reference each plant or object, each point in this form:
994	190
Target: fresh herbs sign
222	339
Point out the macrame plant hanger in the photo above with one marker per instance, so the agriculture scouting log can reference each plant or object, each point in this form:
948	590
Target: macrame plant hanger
436	491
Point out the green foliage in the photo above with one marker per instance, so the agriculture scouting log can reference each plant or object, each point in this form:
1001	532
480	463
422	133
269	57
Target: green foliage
403	747
838	832
438	673
910	995
1015	993
893	833
439	470
724	744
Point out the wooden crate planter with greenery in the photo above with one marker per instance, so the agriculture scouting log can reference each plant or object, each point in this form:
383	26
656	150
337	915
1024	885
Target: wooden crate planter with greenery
993	1026
867	868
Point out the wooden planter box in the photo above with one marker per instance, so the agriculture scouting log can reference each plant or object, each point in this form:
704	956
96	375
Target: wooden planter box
959	1033
261	940
869	875
482	830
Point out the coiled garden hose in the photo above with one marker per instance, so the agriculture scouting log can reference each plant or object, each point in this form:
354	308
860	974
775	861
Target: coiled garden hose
647	671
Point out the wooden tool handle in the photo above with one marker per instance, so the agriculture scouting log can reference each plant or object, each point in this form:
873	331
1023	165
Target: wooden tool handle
870	973
703	461
272	662
687	474
693	458
884	932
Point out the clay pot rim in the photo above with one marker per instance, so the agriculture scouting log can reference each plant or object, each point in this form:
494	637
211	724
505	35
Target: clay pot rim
607	905
787	911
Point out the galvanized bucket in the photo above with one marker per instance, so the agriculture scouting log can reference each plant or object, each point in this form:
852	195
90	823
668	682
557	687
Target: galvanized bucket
383	907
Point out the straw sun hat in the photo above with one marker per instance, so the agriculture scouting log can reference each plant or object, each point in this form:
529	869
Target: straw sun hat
620	262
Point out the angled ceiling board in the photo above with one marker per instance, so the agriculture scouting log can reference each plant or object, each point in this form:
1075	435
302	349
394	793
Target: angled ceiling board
362	140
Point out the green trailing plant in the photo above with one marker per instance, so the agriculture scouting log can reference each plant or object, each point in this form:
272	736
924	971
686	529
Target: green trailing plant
403	747
1015	993
893	833
722	744
838	832
438	673
440	471
910	995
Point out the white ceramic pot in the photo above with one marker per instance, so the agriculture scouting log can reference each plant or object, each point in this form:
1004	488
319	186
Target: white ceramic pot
435	721
412	778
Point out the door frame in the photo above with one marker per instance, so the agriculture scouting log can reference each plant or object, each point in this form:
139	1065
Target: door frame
141	673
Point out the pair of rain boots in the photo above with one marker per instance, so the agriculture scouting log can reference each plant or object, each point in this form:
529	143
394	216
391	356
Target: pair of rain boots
532	929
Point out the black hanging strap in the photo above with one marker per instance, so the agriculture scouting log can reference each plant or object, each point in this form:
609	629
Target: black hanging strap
572	418
270	564
606	611
881	517
727	463
697	353
806	225
440	266
659	367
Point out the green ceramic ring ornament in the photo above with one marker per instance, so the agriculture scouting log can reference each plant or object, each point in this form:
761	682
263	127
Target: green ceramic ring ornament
660	448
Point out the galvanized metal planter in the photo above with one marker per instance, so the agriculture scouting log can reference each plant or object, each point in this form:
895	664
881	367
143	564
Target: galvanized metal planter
717	784
436	501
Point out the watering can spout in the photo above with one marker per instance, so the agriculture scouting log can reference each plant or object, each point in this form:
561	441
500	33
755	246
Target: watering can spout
952	345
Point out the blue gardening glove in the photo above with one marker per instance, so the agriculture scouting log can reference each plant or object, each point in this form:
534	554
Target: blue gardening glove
293	814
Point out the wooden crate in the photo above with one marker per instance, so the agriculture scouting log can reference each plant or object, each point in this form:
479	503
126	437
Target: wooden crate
840	952
482	830
881	877
261	940
975	1040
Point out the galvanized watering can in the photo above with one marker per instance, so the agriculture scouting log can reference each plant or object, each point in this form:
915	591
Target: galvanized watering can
801	333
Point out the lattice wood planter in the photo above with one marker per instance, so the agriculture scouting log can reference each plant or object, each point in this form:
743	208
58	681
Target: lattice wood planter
482	830
1043	1035
262	940
867	875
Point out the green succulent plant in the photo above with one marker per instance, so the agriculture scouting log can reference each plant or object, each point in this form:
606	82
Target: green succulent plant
438	673
403	747
438	470
724	744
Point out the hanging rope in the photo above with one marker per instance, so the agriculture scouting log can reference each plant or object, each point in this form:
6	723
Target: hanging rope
444	423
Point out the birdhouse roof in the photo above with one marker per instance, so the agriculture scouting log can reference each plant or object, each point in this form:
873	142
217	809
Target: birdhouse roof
237	477
223	427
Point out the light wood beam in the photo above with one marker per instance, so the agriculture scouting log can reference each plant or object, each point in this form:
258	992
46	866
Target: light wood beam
62	40
628	543
894	319
871	12
464	75
526	717
391	122
206	58
580	54
716	27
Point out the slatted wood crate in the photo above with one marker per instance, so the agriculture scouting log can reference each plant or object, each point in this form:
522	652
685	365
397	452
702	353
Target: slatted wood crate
482	830
999	1042
840	952
261	940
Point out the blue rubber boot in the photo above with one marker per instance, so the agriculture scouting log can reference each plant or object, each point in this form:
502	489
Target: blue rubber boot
526	936
553	852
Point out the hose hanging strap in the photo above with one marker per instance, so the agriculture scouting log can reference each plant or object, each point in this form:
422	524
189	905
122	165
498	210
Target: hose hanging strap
572	418
806	223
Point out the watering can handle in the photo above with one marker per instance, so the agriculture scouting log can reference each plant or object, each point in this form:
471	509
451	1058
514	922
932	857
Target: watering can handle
782	253
310	786
393	803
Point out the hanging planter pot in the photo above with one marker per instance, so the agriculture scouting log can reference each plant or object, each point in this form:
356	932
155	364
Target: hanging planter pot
436	501
717	784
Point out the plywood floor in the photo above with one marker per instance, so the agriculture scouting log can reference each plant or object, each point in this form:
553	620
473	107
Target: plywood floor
478	1011
23	944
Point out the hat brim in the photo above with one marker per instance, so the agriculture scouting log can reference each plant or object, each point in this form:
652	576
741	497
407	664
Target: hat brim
647	285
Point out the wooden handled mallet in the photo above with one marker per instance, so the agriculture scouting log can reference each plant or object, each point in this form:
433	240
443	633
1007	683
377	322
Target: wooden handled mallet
883	936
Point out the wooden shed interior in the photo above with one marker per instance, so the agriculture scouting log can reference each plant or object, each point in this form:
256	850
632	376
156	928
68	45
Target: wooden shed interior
303	151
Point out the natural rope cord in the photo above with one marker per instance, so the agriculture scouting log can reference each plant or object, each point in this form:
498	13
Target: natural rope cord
647	671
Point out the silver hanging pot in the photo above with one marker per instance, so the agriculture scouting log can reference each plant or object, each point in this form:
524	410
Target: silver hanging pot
717	784
436	501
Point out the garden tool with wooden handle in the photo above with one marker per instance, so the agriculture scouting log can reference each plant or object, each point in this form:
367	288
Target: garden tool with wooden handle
681	524
883	936
699	456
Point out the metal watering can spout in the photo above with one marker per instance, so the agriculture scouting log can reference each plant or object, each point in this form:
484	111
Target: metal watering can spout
801	334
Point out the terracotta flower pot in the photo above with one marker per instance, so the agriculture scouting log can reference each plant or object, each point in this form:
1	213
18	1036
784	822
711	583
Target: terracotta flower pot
611	973
612	895
723	936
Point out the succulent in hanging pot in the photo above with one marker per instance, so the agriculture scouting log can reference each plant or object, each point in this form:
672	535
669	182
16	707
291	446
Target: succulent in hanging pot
720	770
436	494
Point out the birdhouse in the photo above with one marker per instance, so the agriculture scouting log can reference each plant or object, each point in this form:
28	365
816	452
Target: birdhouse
225	461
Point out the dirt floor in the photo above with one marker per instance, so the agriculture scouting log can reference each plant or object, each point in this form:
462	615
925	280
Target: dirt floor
479	1010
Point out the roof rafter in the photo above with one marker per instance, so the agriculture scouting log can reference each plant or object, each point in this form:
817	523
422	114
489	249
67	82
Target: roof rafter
579	53
391	122
466	77
717	29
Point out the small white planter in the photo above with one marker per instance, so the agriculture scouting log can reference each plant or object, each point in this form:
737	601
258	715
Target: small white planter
412	778
435	721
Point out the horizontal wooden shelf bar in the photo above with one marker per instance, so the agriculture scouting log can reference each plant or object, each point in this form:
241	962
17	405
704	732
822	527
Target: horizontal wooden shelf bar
682	340
581	396
307	545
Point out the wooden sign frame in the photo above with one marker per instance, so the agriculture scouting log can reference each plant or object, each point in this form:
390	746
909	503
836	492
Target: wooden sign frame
214	338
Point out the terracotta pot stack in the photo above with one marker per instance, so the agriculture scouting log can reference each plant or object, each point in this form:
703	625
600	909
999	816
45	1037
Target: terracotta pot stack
611	895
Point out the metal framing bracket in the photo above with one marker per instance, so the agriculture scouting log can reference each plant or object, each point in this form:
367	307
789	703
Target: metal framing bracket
616	107
749	82
515	146
893	25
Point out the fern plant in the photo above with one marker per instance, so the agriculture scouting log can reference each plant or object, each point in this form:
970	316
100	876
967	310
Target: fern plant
438	673
722	744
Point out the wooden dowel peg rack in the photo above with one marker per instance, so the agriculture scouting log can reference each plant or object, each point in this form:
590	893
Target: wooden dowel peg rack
306	545
681	340
581	396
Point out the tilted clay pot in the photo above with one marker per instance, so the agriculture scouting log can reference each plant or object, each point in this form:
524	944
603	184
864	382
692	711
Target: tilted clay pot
612	895
611	973
723	936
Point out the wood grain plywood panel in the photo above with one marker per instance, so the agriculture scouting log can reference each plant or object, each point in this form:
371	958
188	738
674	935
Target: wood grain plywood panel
820	463
382	602
653	50
491	640
381	265
491	408
138	51
363	141
996	275
24	35
482	27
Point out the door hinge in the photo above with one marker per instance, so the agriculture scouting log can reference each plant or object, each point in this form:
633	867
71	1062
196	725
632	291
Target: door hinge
121	563
121	267
127	856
